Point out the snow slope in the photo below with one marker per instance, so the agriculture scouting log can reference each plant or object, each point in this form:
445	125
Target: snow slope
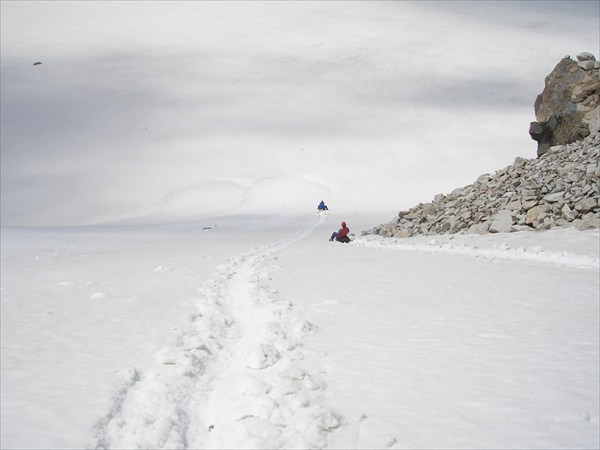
157	111
451	349
211	388
166	283
239	336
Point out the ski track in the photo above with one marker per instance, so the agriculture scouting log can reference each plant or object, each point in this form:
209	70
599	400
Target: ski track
237	377
500	252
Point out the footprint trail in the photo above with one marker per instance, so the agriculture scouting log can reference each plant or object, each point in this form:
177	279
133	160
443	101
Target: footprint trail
236	377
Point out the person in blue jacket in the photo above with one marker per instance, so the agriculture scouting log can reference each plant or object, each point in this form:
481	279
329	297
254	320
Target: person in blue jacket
322	206
341	235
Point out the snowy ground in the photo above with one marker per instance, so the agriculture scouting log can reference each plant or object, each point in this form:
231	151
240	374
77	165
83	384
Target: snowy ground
166	284
261	333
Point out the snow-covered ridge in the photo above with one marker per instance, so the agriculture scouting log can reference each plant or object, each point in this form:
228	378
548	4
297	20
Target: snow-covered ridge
500	251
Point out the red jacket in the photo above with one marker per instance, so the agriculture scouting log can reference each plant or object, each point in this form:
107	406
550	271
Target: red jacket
343	232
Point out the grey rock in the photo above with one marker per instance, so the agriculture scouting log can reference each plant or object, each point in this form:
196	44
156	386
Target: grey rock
388	230
557	148
568	213
521	228
483	178
535	214
560	188
502	222
586	204
589	221
457	192
530	193
428	209
585	56
411	216
555	197
567	106
516	205
587	65
478	228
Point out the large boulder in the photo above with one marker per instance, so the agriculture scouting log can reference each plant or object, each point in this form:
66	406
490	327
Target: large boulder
568	108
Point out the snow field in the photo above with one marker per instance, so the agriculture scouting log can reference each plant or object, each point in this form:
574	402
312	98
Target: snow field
236	378
176	110
83	307
496	252
295	341
234	116
447	349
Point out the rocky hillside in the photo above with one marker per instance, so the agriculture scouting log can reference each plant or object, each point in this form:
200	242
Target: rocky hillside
559	188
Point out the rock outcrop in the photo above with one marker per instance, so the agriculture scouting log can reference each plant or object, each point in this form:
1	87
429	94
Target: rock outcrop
568	108
561	188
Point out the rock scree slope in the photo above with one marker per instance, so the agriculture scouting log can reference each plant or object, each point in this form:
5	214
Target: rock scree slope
558	189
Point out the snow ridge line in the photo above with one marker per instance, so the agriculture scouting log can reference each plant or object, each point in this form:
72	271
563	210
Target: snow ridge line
234	377
502	251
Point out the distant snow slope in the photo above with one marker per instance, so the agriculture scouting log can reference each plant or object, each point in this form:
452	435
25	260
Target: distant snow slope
141	111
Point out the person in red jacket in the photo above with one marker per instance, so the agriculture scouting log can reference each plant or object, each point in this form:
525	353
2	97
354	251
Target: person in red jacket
341	235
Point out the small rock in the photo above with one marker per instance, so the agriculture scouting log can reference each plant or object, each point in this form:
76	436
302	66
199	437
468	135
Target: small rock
587	65
516	228
483	178
555	197
535	214
589	221
502	222
586	205
568	213
585	56
478	228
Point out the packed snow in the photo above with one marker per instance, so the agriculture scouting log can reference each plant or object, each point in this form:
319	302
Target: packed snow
262	334
168	283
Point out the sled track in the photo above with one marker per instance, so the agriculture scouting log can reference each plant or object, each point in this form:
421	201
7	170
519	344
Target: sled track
236	377
494	253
